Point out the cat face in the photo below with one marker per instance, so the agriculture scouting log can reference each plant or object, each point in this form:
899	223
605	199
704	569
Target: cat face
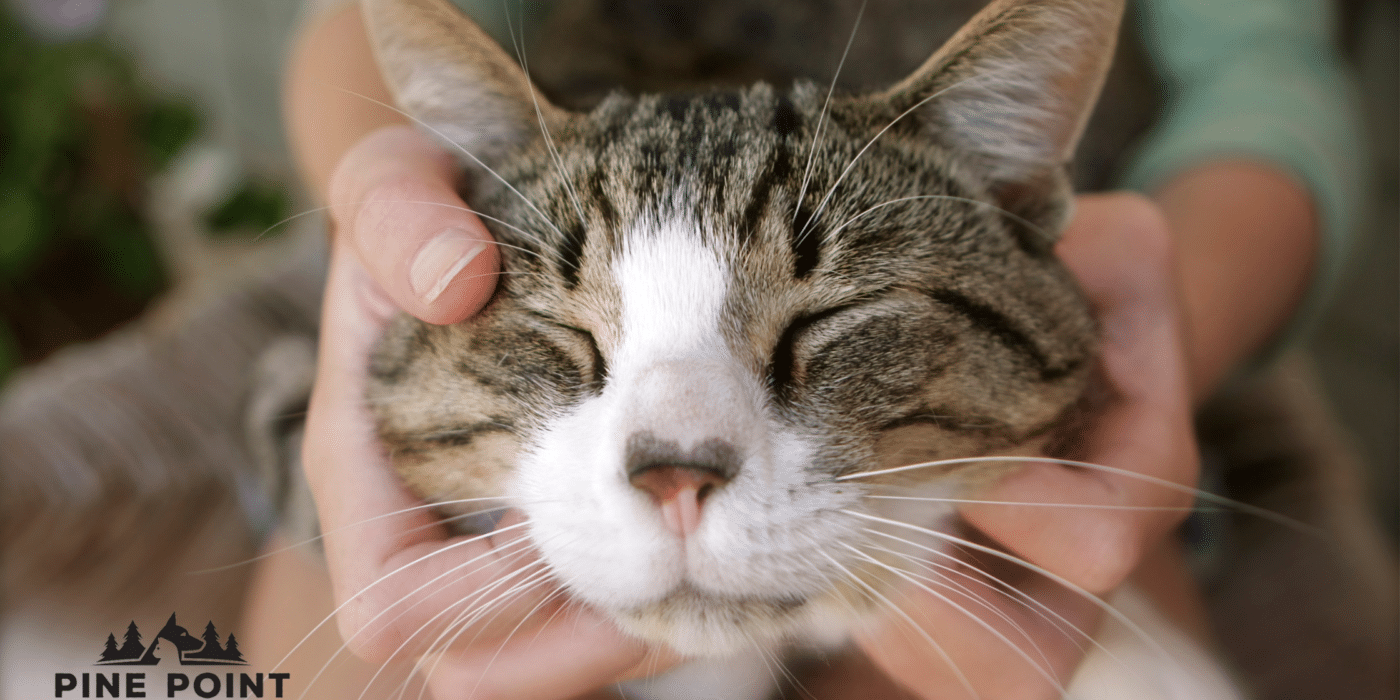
715	306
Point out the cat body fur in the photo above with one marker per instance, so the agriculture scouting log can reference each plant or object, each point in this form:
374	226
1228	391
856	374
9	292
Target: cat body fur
777	290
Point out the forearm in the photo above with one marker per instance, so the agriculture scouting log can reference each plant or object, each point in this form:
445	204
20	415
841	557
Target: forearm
331	93
1246	243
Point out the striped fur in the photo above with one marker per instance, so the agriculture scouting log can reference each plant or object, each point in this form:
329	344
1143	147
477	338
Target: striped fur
763	284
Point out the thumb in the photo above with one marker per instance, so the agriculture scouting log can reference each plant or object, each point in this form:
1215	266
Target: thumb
393	201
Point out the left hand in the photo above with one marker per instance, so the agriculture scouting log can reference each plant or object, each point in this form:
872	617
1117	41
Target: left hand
1120	249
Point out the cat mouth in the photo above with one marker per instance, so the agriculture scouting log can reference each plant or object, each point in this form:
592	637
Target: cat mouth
702	623
688	596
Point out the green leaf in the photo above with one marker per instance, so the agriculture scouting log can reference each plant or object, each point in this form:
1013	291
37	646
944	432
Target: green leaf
129	257
9	352
253	208
167	127
23	230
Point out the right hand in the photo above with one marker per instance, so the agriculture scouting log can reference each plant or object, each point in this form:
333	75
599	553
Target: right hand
404	240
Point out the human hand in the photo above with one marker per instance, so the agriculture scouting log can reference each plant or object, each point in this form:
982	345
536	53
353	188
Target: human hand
1120	249
405	240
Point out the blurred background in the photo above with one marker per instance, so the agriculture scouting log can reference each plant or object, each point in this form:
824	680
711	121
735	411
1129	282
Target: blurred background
97	97
109	106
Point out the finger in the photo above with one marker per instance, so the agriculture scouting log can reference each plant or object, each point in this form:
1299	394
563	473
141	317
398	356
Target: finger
393	199
391	575
947	639
580	651
1119	248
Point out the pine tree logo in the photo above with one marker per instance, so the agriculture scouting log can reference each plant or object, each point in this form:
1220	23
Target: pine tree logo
189	650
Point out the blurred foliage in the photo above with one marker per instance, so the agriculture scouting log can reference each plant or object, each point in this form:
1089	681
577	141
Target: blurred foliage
80	134
257	207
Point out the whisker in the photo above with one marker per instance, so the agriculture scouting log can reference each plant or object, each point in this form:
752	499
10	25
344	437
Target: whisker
1198	493
472	614
1042	671
345	644
967	685
305	542
539	114
291	218
821	118
526	234
501	647
1011	592
1014	217
464	151
385	577
475	612
468	602
511	557
1086	506
822	207
946	573
1086	595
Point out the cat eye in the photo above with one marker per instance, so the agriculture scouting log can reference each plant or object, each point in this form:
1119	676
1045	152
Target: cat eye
781	364
600	366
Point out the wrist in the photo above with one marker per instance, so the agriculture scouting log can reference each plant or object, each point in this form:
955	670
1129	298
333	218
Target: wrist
333	95
1246	240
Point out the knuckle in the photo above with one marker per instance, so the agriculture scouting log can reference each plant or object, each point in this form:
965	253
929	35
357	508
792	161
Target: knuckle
364	631
1148	226
380	200
1111	550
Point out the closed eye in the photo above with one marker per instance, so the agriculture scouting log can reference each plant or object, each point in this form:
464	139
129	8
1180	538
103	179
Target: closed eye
780	366
945	420
600	366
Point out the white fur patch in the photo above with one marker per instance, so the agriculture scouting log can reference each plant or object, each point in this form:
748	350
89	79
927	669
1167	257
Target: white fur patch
673	378
1170	667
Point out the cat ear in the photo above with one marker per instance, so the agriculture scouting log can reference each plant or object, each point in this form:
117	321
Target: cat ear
1013	90
454	78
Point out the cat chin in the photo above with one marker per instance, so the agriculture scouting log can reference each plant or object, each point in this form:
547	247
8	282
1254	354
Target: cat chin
700	625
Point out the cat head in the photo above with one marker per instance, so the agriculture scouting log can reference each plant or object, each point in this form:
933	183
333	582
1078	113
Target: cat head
715	306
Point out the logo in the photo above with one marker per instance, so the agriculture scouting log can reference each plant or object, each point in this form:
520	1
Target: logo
189	650
174	642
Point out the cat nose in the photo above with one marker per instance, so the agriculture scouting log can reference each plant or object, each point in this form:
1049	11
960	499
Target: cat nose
677	481
678	491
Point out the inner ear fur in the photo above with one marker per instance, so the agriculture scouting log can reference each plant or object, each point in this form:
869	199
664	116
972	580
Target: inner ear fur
454	78
1013	90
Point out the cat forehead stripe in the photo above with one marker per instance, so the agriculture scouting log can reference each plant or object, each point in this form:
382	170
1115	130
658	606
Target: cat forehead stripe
673	288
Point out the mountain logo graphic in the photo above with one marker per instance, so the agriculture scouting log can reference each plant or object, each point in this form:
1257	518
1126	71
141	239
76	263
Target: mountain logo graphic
205	650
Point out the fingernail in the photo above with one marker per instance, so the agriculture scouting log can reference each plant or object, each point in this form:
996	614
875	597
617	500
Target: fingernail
439	262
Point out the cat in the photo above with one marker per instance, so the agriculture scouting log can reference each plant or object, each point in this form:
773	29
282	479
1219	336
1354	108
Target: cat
725	313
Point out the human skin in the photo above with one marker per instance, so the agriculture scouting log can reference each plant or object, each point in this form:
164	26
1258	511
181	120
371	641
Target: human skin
1185	287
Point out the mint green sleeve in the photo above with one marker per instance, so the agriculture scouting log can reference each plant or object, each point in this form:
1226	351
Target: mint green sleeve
1260	80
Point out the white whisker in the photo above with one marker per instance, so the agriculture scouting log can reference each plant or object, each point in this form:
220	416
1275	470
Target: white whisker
945	574
385	577
1079	590
822	207
942	653
305	542
1198	493
1084	506
1014	217
821	118
1040	670
1011	592
539	115
450	609
470	617
448	628
464	151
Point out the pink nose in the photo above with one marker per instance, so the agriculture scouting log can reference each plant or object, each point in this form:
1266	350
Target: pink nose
678	491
